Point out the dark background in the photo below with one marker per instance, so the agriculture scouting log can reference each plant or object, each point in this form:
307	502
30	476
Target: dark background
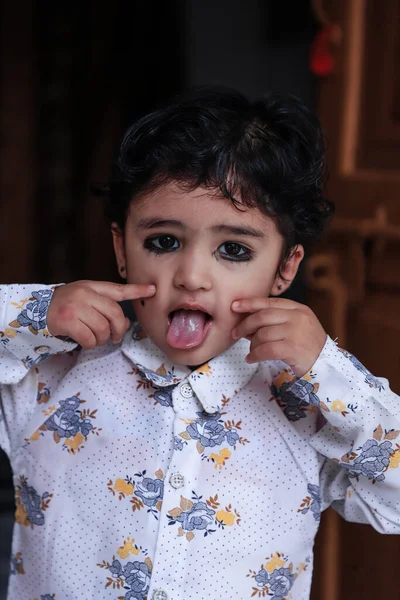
73	76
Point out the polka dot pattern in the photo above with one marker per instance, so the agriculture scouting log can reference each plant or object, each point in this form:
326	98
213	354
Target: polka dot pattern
139	479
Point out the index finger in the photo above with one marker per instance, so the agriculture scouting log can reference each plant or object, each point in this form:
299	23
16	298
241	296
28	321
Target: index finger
123	291
249	305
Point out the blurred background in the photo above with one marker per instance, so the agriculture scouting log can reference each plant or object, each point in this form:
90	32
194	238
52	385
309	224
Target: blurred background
74	76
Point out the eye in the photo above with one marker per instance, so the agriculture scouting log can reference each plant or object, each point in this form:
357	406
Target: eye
234	251
161	244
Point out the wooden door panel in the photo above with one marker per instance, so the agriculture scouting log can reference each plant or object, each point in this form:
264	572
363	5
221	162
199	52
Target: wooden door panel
379	120
371	564
359	106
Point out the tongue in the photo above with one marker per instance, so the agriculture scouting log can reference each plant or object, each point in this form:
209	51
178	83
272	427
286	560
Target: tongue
187	329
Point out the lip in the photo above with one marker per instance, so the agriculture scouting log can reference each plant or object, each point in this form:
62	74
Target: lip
190	306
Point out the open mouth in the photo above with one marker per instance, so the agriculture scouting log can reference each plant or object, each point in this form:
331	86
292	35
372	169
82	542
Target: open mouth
188	328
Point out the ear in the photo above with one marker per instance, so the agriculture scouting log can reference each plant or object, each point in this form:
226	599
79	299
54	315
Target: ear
119	249
287	271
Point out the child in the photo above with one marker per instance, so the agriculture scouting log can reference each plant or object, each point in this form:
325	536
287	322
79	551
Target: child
190	456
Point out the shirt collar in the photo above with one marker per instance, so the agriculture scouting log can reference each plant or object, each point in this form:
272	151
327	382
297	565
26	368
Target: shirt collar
214	383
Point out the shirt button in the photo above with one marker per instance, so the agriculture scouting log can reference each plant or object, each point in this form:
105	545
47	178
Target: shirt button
42	349
186	391
160	595
177	480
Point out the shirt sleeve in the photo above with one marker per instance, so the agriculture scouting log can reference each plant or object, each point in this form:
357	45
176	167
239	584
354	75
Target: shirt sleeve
24	338
359	438
25	343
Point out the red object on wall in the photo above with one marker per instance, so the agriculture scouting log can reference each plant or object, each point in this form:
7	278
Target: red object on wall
322	57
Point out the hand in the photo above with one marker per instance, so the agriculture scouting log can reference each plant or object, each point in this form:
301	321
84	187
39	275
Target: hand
89	313
280	329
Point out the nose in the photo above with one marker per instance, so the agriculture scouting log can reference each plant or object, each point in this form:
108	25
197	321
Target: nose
193	271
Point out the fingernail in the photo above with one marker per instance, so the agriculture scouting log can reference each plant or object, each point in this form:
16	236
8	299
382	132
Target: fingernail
152	288
236	304
234	334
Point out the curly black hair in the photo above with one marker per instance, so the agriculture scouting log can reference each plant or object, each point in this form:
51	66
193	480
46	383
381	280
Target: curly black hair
268	154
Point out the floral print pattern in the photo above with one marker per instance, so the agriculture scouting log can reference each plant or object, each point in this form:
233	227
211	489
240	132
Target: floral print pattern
366	446
161	383
150	491
293	407
17	564
373	458
163	395
296	397
133	576
275	579
203	371
160	377
68	420
69	423
210	431
30	506
43	393
312	502
372	381
34	314
144	491
341	407
7	335
220	459
196	515
179	443
395	458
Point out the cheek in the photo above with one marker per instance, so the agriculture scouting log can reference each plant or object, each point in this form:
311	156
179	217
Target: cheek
146	308
144	313
251	284
138	260
140	268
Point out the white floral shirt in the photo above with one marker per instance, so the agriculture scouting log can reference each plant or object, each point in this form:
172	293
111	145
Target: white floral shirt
136	479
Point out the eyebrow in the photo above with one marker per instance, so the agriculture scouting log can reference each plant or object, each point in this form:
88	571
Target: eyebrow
245	230
240	230
155	222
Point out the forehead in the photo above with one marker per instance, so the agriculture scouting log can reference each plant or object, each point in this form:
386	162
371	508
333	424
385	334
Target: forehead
200	208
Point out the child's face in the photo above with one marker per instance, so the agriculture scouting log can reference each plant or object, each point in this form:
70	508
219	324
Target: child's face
202	254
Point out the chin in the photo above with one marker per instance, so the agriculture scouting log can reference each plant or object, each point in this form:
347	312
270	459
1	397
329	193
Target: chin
190	358
194	357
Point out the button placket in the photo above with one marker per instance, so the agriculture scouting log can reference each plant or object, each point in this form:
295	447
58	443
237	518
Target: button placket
177	480
184	401
178	477
186	390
